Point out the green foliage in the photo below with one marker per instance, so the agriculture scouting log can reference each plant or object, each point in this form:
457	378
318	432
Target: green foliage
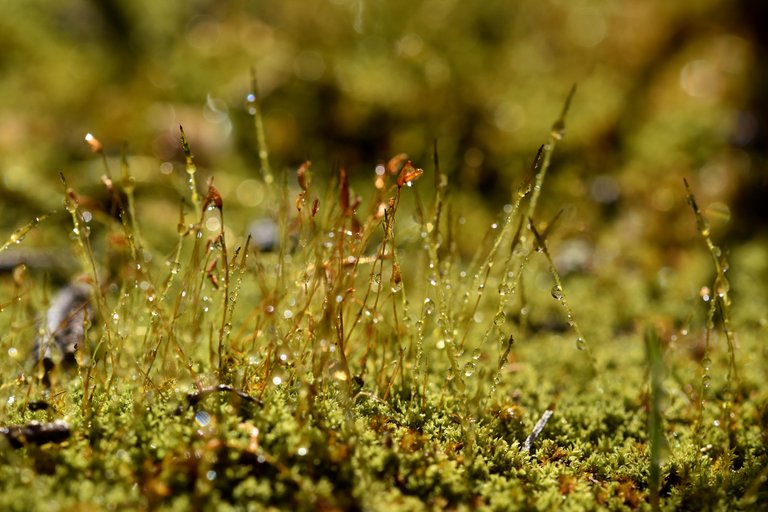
357	333
306	378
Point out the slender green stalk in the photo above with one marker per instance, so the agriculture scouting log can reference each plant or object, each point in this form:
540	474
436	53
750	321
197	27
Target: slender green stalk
558	293
656	438
261	139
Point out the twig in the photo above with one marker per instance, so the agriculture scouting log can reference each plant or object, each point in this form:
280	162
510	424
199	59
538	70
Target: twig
197	396
528	445
36	433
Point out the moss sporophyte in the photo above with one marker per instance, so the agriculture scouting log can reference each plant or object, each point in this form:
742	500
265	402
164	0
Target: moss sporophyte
361	342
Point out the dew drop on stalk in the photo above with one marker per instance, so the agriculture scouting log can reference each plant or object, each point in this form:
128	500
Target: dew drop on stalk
476	354
706	381
429	306
449	375
557	292
469	369
499	319
581	344
558	130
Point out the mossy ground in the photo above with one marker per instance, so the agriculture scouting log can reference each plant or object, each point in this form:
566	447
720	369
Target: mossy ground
366	358
400	422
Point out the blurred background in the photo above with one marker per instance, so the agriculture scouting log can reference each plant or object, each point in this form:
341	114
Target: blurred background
666	90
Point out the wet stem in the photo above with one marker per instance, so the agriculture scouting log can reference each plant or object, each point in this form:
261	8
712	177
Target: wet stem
82	237
719	300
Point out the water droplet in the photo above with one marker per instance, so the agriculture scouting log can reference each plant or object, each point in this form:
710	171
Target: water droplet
557	292
706	381
376	279
504	289
429	306
469	369
396	287
302	451
706	363
581	343
12	352
476	354
211	475
277	381
558	130
499	319
202	418
440	344
449	375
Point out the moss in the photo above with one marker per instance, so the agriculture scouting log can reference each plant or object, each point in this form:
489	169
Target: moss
379	359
